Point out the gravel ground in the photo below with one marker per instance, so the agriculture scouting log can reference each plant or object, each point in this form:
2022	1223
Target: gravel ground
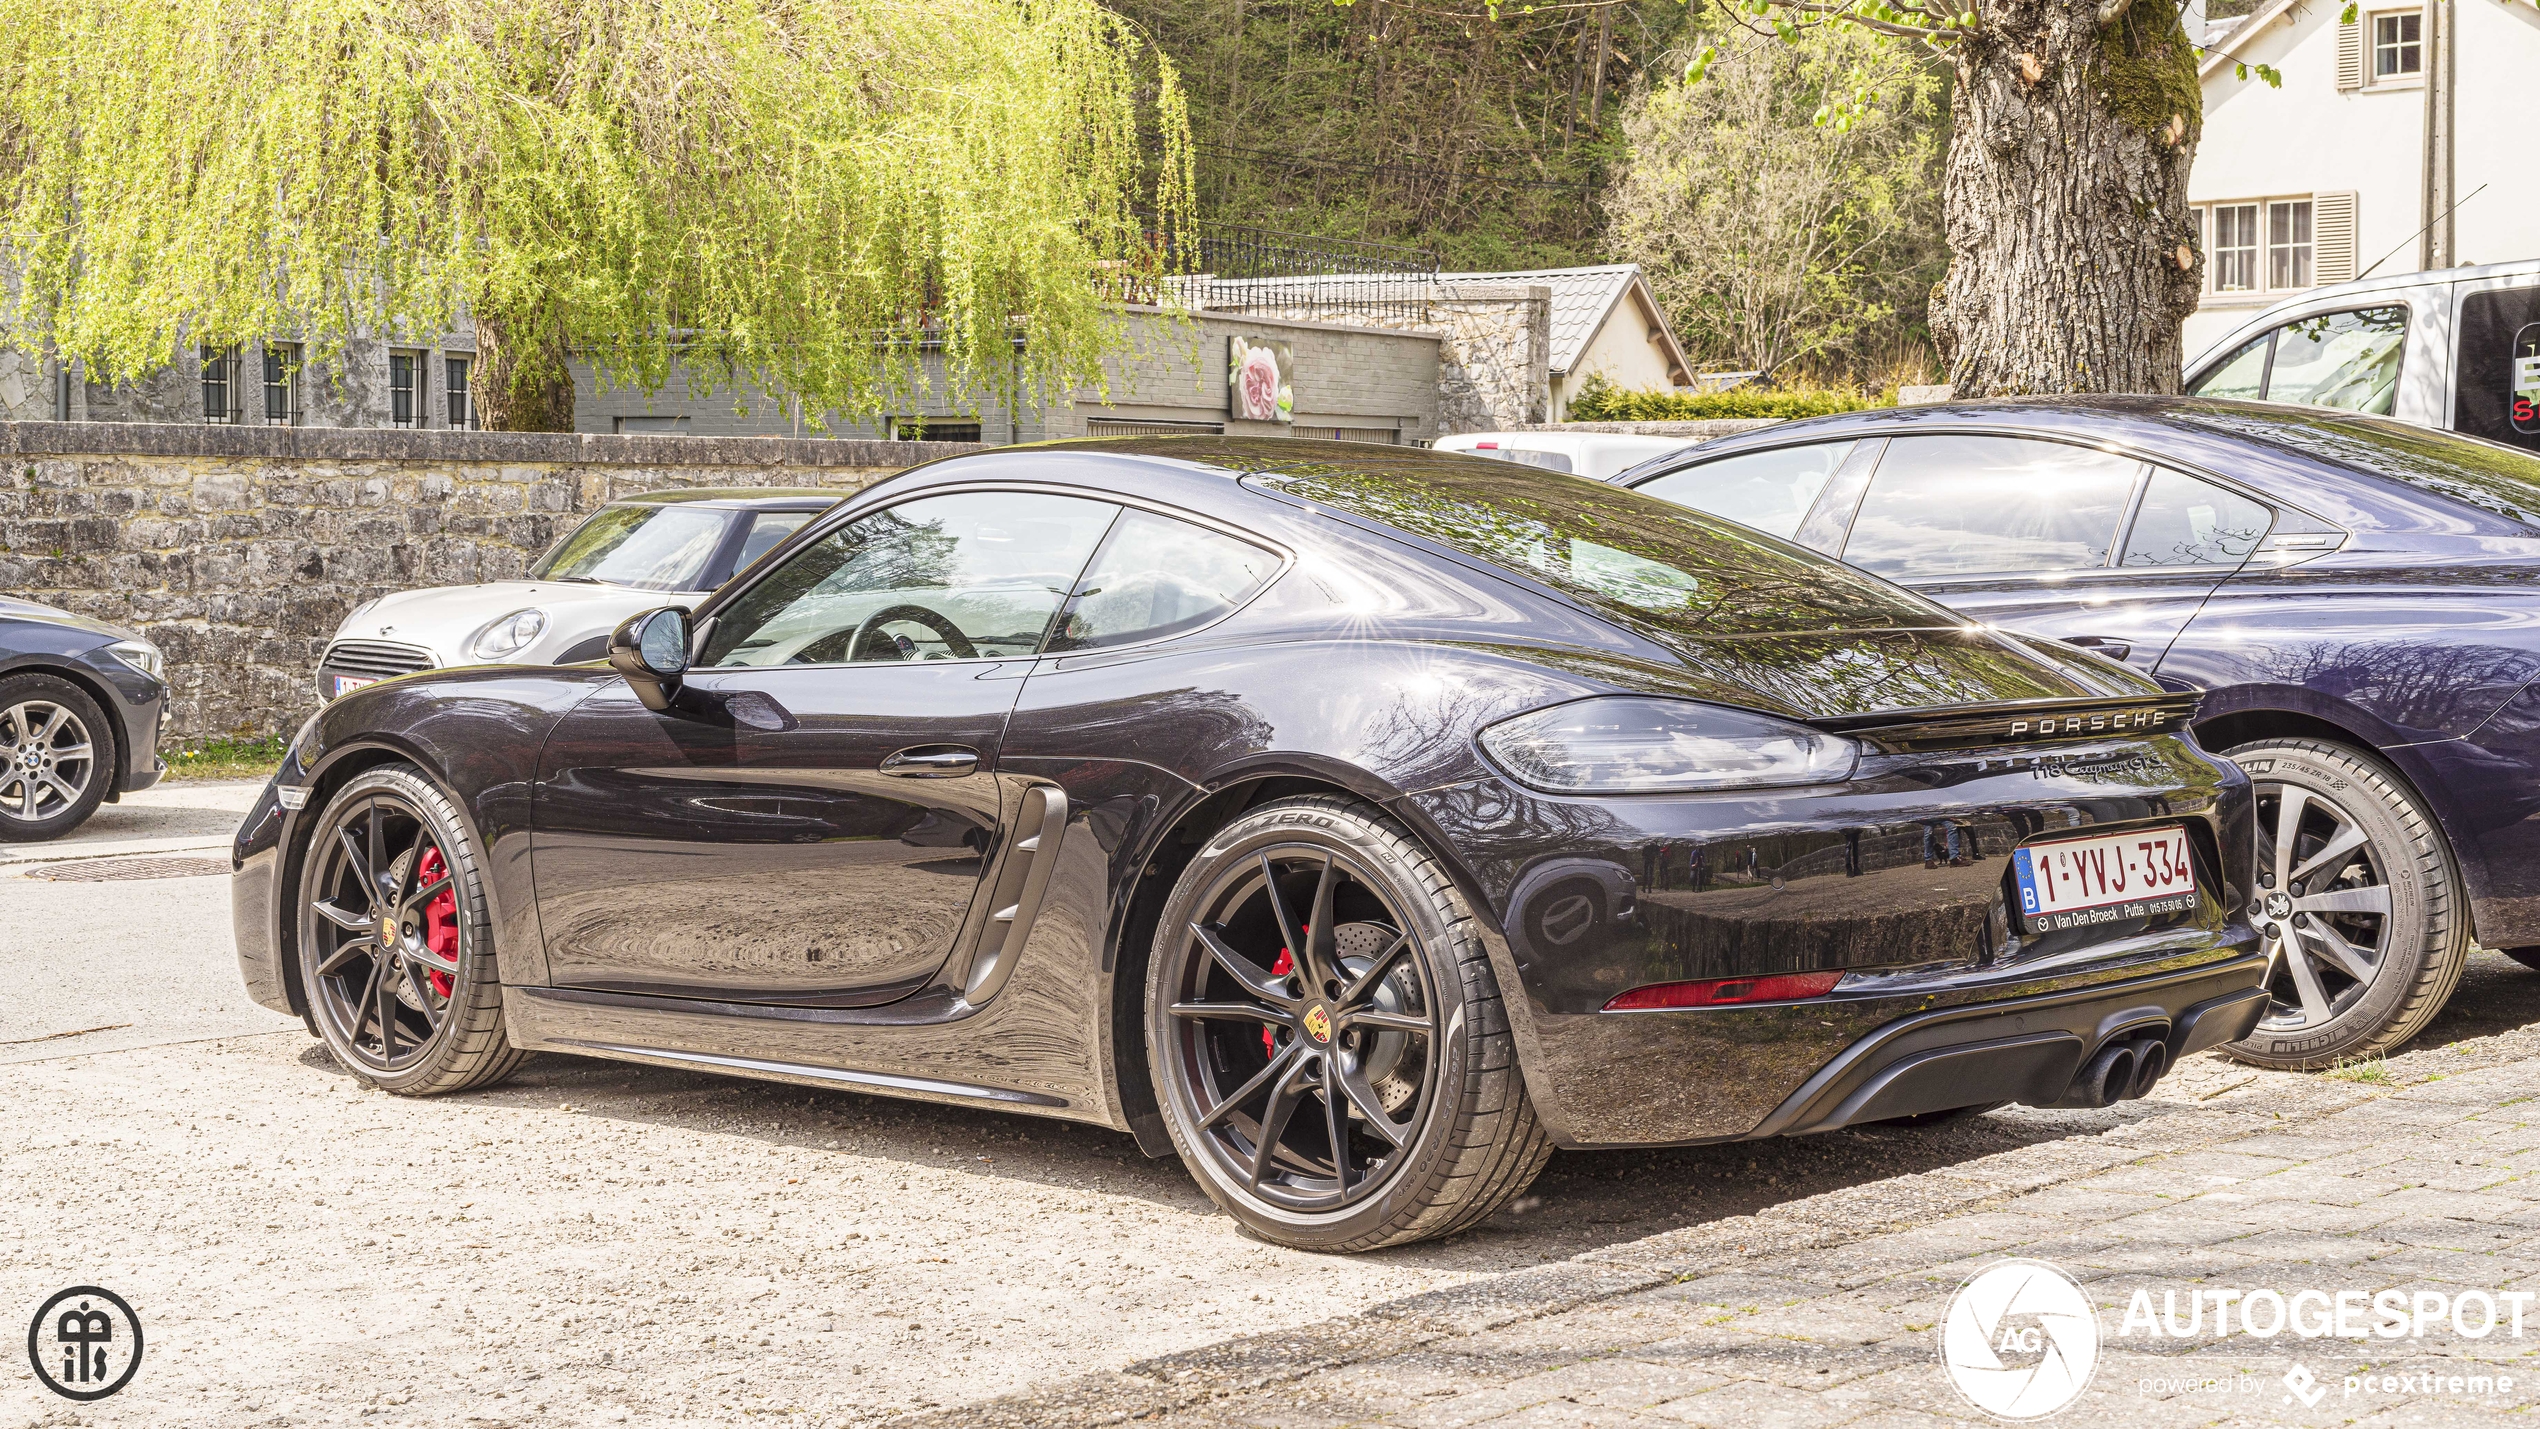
600	1242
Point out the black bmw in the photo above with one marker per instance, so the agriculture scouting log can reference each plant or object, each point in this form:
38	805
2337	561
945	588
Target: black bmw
1358	824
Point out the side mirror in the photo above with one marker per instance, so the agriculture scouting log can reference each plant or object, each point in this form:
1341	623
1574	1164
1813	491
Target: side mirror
651	650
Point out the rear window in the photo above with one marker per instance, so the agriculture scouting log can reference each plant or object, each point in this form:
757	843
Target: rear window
1615	550
2484	475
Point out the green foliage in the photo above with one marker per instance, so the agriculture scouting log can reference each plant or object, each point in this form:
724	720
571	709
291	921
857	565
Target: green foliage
244	758
797	195
1786	206
1600	401
1486	137
2149	71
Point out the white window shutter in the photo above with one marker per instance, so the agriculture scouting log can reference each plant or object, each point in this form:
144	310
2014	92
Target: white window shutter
2333	238
2350	55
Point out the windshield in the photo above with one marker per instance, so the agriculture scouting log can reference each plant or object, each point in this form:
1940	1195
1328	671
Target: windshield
648	547
1616	550
2485	475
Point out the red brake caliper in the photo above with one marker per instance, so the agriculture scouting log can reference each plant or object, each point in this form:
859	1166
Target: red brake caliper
440	917
1284	966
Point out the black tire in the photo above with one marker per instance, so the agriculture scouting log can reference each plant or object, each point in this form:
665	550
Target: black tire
59	752
2380	959
427	1019
1458	1136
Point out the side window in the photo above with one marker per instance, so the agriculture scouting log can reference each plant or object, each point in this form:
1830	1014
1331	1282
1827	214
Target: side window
2499	367
2344	360
972	575
1156	576
1770	491
1968	505
766	529
2243	374
2186	522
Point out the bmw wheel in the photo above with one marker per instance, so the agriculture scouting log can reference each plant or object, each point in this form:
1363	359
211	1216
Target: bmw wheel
1327	1039
2359	903
396	948
59	757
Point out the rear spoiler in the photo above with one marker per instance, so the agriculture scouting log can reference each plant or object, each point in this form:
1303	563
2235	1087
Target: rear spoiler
2017	724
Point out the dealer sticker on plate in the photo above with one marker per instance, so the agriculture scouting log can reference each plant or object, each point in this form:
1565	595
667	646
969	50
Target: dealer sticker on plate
2113	878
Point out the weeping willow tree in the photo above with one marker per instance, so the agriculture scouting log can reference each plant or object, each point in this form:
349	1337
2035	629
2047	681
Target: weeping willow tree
805	196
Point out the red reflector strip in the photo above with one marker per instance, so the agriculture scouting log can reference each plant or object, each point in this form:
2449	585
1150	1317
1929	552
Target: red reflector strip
1787	988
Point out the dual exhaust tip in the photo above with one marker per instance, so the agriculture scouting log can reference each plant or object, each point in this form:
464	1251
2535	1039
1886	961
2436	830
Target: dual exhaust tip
2121	1071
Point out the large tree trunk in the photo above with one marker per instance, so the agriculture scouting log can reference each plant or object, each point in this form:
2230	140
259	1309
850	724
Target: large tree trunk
2073	257
522	383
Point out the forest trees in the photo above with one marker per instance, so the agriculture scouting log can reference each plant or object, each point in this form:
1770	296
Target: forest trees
1772	236
796	195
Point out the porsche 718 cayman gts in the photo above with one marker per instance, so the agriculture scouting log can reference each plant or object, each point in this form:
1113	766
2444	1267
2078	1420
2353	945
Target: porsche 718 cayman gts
1356	823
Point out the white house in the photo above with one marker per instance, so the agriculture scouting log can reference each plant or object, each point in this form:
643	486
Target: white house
2320	181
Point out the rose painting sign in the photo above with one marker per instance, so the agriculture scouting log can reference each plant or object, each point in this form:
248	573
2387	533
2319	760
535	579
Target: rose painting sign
1258	374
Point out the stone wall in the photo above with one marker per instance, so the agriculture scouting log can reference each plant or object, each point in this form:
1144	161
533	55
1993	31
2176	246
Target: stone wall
238	550
1494	361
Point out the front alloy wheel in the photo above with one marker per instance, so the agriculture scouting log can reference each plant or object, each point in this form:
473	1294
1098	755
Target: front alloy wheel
1318	1004
55	759
395	952
2357	902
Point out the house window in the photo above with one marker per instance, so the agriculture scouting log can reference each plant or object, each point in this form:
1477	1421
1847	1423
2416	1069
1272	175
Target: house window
2235	252
454	385
2289	244
934	429
220	384
282	383
405	379
2398	46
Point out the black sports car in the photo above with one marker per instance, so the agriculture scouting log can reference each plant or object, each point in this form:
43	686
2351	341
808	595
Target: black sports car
81	703
1357	823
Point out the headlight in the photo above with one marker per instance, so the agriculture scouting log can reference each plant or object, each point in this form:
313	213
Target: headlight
509	636
141	655
1629	745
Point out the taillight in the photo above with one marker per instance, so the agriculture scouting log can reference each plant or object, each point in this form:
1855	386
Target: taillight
1789	987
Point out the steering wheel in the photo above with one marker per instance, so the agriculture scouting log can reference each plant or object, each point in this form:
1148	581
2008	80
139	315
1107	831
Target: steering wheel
867	642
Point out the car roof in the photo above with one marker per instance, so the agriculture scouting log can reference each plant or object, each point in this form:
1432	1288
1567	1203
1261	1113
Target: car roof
2172	423
739	498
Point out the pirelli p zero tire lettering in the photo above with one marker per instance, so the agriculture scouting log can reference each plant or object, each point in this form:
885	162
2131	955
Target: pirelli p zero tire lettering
395	942
1327	1040
2359	901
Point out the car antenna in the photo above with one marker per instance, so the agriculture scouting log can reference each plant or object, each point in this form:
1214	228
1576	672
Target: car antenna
2420	233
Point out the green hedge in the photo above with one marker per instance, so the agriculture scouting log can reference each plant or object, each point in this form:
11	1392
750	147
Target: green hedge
1601	401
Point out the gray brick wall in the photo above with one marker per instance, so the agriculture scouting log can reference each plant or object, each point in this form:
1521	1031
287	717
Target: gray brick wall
238	550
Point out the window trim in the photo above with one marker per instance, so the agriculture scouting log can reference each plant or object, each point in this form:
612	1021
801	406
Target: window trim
2346	304
465	393
415	395
2263	265
822	527
2397	79
2111	446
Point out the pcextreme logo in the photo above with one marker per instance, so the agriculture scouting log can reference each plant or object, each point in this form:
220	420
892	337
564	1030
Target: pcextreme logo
2019	1340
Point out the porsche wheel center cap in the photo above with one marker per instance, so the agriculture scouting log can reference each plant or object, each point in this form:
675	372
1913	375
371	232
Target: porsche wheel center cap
388	932
1318	1023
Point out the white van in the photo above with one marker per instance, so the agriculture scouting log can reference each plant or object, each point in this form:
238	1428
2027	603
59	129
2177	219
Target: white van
2456	348
1595	455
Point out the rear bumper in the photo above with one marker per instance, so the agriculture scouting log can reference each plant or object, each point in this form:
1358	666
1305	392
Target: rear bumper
2023	1050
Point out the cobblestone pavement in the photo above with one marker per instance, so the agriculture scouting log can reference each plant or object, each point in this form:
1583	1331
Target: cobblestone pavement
2414	1175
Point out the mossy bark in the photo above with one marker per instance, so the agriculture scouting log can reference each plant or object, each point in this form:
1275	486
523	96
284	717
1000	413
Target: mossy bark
2073	256
522	383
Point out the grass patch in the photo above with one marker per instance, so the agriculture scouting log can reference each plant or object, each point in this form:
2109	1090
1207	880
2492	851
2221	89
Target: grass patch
2373	1071
225	758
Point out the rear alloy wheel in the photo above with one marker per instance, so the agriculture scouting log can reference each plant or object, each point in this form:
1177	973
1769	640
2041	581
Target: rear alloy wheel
396	951
2366	930
1327	1039
59	757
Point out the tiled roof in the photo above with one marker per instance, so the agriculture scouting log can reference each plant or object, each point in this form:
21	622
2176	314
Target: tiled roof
1581	298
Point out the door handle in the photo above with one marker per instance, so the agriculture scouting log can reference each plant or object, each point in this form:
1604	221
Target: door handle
933	761
2101	645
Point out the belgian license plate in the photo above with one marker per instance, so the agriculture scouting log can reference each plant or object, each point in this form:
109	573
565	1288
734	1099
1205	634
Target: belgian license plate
2112	878
347	683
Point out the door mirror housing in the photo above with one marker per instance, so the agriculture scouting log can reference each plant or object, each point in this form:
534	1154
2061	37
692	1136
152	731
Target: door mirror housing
651	650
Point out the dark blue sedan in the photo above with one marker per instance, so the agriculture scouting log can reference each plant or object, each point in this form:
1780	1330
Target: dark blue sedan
2360	599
